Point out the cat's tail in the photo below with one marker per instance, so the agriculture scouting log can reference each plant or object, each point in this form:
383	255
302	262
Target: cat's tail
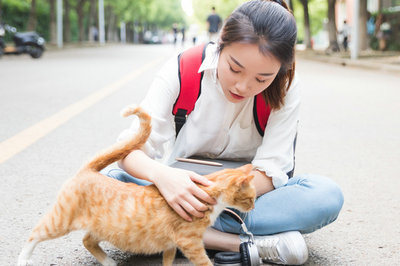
122	149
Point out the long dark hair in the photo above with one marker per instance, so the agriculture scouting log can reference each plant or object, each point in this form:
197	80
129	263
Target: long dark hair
272	26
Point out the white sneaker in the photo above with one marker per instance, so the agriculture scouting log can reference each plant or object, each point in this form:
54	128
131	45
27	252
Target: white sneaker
284	248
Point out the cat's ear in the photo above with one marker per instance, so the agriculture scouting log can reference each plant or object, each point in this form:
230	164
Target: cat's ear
245	180
246	168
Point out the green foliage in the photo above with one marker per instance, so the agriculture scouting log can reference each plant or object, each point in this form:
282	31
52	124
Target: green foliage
18	4
158	13
74	24
43	18
165	13
16	14
317	9
202	8
374	43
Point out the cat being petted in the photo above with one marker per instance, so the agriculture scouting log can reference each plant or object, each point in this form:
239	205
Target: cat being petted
136	218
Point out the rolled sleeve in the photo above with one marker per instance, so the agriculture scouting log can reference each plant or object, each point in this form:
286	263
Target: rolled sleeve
275	156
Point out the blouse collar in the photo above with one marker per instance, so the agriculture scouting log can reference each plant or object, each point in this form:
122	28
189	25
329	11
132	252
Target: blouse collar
210	61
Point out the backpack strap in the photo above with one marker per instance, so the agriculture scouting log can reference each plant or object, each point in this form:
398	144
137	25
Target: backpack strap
261	112
189	63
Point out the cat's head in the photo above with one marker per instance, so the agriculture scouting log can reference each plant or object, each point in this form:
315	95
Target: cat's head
237	187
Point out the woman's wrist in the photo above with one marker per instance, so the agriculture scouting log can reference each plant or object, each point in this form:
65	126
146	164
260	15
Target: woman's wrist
157	171
262	182
139	165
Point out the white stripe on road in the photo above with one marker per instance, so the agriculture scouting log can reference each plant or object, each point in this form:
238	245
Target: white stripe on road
28	136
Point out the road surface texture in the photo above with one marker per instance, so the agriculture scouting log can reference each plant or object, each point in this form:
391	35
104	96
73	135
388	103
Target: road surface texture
58	111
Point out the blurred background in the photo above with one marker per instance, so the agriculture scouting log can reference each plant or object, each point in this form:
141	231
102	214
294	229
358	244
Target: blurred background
321	23
101	55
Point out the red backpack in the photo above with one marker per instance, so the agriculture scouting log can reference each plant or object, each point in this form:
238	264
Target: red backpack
190	88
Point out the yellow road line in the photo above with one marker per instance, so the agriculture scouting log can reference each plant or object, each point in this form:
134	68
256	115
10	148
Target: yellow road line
28	136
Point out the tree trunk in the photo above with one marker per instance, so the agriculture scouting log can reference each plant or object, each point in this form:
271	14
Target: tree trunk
307	30
128	32
67	23
363	34
141	30
290	4
332	30
32	17
92	21
135	32
79	11
53	22
1	10
111	36
379	17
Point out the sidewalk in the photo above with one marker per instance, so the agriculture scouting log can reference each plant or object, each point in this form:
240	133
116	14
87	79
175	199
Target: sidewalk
374	60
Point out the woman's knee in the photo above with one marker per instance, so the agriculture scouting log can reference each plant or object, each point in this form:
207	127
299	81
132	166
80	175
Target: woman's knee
113	173
328	198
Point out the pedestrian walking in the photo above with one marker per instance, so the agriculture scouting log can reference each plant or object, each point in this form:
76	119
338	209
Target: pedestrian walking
194	29
345	32
214	22
94	33
175	32
183	30
254	56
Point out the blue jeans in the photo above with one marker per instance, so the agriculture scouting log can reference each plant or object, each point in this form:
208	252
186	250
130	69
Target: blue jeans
306	203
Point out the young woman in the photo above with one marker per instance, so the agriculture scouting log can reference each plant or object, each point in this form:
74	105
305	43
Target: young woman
255	54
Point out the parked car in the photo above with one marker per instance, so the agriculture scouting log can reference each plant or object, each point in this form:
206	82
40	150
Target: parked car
151	38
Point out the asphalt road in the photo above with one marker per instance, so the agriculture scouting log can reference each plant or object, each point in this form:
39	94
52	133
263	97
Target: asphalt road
58	111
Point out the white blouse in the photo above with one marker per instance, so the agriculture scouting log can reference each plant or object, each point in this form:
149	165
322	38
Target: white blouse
217	128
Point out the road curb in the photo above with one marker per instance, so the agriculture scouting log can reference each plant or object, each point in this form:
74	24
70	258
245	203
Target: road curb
385	63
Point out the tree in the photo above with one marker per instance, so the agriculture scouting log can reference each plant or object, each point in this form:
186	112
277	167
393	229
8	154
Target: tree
53	22
141	15
363	44
111	22
307	30
332	30
1	10
80	13
317	12
32	17
290	4
67	22
379	17
92	20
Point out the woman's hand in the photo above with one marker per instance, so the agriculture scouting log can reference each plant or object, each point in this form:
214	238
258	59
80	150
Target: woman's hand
180	191
176	185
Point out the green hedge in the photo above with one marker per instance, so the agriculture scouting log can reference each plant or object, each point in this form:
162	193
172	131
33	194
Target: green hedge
16	14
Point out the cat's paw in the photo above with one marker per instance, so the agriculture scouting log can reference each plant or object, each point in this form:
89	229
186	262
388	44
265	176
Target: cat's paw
22	262
108	262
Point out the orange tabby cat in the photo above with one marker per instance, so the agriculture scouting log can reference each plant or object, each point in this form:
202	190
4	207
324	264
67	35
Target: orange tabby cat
135	218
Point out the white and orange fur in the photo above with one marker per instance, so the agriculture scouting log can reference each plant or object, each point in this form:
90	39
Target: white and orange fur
135	218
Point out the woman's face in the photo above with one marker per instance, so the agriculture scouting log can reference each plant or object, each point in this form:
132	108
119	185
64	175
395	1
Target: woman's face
244	72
